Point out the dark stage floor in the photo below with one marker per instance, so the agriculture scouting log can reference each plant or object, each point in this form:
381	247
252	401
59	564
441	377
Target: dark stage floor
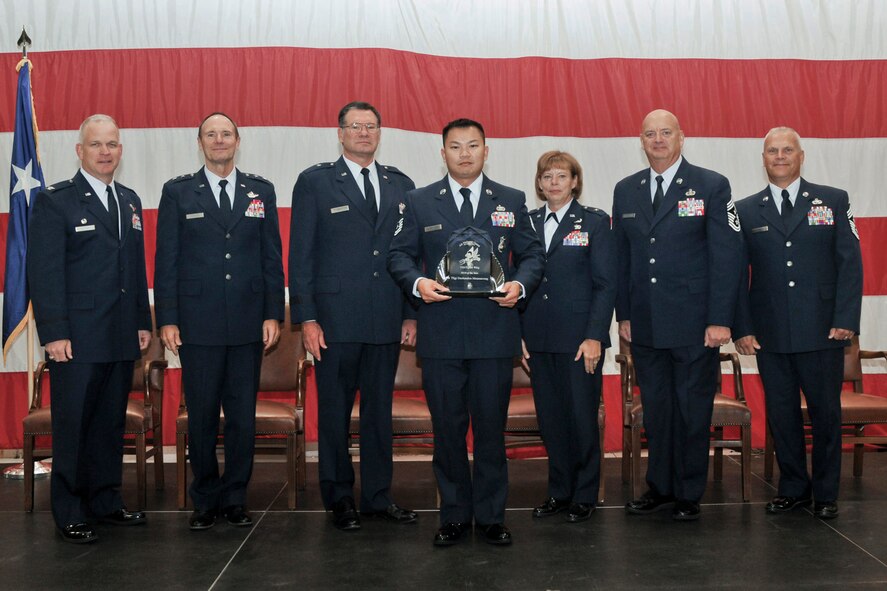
735	545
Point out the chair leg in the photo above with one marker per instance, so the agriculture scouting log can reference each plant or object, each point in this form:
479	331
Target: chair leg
746	462
157	445
626	455
181	469
28	467
292	483
635	461
303	466
141	470
719	456
858	451
769	452
601	495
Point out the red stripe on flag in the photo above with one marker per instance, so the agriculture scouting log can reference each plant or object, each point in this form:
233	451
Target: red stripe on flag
872	233
512	97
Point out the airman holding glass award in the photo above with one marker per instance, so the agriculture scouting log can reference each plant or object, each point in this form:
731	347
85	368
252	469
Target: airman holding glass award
466	235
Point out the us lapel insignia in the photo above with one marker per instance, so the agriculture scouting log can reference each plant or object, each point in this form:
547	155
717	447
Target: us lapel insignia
344	174
805	194
680	181
83	220
443	191
643	181
765	199
690	193
87	194
200	186
385	177
489	192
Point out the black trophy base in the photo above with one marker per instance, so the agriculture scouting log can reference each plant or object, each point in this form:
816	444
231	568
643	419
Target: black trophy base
473	294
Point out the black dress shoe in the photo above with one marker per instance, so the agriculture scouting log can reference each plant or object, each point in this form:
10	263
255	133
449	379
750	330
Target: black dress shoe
123	517
579	512
202	519
450	533
496	534
78	533
550	507
827	510
685	511
394	513
648	503
345	515
237	516
786	504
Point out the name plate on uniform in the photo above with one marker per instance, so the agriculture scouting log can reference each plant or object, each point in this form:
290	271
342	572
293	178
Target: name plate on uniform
470	269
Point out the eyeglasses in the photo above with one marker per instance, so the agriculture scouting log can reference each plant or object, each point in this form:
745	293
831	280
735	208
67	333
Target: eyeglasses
356	127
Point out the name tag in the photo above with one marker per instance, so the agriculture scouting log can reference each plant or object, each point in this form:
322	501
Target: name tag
433	228
629	216
821	215
194	216
504	219
88	228
691	208
761	229
576	238
339	209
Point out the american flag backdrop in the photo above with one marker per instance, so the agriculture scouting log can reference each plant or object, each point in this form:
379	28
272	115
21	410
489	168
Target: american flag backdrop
540	75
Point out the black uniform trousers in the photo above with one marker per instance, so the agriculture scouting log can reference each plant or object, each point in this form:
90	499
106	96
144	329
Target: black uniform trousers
220	378
820	375
345	368
88	402
677	390
567	400
459	390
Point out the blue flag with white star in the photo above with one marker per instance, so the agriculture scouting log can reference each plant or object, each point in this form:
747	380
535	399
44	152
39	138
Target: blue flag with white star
26	179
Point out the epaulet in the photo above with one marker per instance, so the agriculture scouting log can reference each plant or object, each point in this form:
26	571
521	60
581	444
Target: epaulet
182	177
535	211
394	169
318	166
122	186
60	185
594	210
256	177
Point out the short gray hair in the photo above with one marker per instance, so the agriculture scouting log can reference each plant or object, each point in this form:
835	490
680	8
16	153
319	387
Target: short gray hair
98	117
783	129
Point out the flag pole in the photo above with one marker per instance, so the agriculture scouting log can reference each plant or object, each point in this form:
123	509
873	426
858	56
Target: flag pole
41	469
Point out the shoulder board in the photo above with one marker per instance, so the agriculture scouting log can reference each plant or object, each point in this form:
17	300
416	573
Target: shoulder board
183	177
595	210
124	187
256	177
535	211
318	166
60	185
393	169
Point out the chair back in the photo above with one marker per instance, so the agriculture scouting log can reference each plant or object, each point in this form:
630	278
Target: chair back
853	364
409	371
280	365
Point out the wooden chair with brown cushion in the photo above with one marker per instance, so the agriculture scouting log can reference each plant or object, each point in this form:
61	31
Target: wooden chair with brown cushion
280	425
410	418
858	410
143	433
728	411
